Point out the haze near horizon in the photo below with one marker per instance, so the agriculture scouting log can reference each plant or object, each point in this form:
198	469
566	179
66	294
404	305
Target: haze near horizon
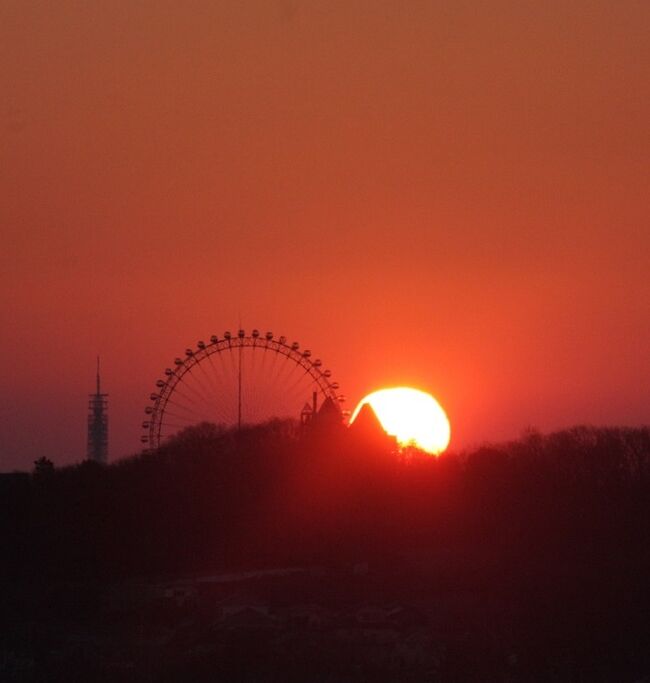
453	198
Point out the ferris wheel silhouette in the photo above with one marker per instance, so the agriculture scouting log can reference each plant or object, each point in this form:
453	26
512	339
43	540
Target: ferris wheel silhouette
238	380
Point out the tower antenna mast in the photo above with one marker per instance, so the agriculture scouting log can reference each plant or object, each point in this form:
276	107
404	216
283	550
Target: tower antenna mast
239	373
97	444
239	392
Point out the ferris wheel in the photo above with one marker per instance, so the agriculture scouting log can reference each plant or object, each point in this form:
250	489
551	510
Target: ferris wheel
238	380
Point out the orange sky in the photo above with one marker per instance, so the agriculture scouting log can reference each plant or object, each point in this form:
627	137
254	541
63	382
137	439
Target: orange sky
452	195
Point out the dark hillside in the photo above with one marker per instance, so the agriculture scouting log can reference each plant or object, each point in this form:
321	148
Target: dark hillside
520	561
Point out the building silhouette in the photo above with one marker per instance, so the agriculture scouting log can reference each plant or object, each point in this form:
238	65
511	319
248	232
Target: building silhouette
369	429
97	445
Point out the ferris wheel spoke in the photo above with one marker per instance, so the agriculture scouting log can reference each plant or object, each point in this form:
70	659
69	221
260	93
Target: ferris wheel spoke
263	371
233	373
284	371
284	406
303	390
187	398
216	396
197	376
219	383
266	390
269	376
183	420
191	411
258	387
213	392
294	373
199	396
252	388
186	415
298	381
301	393
197	384
224	379
274	362
189	387
191	418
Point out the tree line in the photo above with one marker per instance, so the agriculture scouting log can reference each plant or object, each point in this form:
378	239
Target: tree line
544	539
214	498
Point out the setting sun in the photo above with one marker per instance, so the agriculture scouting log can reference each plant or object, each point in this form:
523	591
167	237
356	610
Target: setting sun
414	417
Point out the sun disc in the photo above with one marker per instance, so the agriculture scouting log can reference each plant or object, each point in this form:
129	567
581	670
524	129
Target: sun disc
414	417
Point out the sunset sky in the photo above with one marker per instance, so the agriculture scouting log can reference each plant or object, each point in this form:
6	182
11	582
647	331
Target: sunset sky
448	195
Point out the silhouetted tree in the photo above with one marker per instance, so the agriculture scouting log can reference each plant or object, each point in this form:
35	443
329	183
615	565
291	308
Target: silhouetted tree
43	467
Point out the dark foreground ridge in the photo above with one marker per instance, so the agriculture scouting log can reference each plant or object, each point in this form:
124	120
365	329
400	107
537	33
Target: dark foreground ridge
267	555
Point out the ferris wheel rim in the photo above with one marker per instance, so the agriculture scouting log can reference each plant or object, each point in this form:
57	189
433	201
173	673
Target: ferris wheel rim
227	343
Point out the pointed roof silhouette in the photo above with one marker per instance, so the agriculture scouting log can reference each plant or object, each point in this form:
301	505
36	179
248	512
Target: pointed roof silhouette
368	429
367	422
328	413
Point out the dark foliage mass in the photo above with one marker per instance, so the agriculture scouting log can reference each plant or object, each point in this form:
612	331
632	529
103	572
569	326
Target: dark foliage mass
544	541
